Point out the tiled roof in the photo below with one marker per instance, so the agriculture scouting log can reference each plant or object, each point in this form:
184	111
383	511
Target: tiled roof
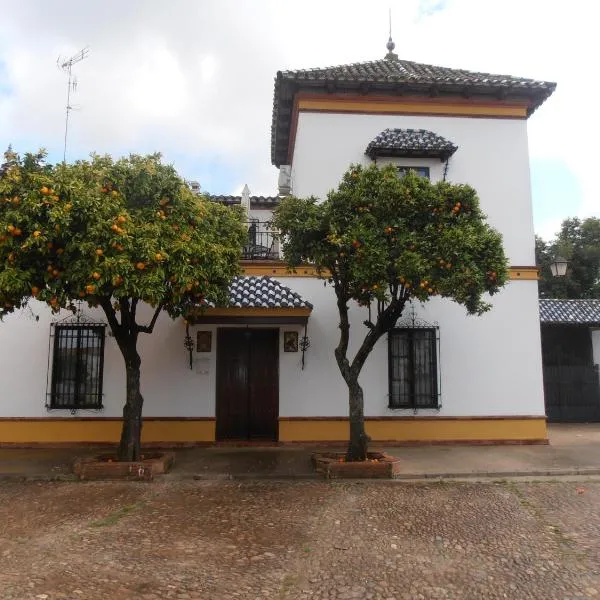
263	292
393	77
255	201
419	143
584	312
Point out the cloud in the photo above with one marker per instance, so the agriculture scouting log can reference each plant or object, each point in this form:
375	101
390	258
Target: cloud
195	79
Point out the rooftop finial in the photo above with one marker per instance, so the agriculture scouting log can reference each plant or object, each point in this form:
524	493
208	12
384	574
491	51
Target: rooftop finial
390	45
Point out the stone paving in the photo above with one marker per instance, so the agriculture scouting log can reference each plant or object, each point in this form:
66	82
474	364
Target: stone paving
299	540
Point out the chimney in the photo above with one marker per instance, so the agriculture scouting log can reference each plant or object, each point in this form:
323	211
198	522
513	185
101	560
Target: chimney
285	180
246	201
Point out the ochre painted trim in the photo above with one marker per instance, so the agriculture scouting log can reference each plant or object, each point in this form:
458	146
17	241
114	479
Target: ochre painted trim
278	268
256	312
102	430
175	431
419	430
408	105
529	273
422	418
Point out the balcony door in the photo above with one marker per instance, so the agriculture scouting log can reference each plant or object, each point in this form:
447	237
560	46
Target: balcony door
247	384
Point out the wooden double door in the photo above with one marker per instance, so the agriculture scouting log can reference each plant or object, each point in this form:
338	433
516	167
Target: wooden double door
247	384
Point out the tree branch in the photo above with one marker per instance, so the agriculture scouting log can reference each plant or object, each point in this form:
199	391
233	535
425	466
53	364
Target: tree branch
342	347
111	315
386	320
150	328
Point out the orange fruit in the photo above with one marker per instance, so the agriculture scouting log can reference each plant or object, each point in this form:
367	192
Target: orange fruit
158	256
55	272
59	251
44	190
37	233
99	251
17	232
121	219
114	193
10	228
68	206
115	227
96	275
35	291
90	289
140	266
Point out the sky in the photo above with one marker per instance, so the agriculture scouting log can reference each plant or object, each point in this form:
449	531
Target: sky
194	79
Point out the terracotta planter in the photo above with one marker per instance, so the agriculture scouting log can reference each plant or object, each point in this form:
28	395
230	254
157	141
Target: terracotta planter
106	466
377	466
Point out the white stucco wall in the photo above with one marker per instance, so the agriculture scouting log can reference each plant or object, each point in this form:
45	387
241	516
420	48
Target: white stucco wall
492	156
489	364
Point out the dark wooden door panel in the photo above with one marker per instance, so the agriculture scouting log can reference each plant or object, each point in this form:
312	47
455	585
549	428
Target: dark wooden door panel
232	384
264	384
247	383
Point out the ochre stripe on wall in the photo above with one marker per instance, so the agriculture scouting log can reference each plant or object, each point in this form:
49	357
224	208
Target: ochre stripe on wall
417	429
399	107
102	430
175	431
280	269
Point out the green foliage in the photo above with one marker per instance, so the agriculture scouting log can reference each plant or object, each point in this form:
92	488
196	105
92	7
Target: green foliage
103	230
378	236
579	242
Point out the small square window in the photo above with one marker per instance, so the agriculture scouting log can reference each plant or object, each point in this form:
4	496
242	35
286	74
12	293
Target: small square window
77	367
420	171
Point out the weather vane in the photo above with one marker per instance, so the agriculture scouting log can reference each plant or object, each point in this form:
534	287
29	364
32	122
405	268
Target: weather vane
67	66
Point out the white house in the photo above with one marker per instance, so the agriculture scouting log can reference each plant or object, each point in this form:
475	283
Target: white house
263	368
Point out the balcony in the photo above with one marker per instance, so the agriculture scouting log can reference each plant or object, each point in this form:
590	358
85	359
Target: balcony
262	242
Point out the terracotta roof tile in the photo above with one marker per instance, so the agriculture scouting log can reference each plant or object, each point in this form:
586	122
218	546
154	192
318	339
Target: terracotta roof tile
263	292
392	77
419	143
582	312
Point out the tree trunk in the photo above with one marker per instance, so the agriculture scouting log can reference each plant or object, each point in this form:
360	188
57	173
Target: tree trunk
129	447
359	440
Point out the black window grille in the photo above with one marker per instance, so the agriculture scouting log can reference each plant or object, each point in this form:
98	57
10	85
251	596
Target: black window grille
413	368
420	171
77	366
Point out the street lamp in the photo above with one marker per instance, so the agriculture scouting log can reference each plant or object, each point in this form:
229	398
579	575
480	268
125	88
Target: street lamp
558	266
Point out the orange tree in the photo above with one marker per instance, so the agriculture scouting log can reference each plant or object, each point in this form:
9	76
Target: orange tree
381	240
115	234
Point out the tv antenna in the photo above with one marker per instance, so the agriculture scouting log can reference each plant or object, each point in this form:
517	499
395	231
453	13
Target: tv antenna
67	66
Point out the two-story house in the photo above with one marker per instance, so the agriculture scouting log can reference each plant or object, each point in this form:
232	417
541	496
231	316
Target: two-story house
263	368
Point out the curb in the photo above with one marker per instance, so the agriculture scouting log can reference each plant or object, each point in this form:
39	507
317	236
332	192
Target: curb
583	471
399	478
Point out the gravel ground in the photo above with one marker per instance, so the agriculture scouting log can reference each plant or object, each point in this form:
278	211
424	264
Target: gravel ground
299	540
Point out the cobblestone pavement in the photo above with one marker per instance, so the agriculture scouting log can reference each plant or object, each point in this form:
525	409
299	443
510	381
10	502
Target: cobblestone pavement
299	540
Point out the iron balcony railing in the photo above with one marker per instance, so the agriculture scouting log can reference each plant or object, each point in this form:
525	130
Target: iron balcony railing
262	242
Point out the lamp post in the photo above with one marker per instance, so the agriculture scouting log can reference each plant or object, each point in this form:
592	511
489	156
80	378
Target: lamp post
558	267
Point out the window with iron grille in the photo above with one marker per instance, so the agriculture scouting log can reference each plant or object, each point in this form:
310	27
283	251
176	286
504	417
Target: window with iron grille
413	368
77	366
420	171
